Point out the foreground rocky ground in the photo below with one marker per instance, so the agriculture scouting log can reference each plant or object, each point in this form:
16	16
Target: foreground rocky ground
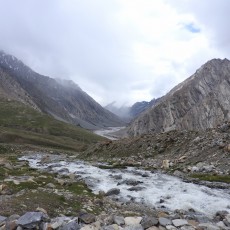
34	199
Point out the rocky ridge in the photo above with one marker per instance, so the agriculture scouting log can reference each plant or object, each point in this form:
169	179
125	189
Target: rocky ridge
61	99
198	103
188	151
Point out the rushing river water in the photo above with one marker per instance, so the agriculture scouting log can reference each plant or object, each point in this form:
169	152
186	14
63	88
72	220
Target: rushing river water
156	189
108	133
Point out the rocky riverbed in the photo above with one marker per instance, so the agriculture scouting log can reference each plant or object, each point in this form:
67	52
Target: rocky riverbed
57	191
139	199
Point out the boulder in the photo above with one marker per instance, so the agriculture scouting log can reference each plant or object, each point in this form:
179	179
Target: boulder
133	220
119	220
113	191
148	222
31	219
87	218
179	222
164	221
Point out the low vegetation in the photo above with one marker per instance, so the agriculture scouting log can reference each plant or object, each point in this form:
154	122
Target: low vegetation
212	178
20	124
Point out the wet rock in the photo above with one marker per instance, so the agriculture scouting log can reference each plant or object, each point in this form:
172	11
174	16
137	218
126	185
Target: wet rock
119	220
148	222
87	218
220	215
179	222
136	188
117	177
63	171
113	191
72	225
31	219
227	217
130	182
164	221
132	220
178	173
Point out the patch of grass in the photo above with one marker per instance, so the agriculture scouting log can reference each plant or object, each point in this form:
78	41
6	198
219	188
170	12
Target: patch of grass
207	177
22	125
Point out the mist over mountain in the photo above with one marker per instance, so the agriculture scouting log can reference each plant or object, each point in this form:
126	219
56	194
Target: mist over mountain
198	103
61	99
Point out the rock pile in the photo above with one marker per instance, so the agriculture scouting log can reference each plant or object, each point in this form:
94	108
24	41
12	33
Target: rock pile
86	221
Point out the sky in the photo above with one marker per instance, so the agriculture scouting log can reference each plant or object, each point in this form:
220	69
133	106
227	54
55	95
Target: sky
116	50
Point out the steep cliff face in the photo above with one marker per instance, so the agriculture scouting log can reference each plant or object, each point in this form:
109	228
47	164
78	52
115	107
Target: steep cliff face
62	99
200	102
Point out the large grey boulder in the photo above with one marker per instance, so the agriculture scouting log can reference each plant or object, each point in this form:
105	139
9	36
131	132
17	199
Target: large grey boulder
32	219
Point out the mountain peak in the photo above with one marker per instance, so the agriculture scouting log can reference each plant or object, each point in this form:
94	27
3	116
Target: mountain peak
198	103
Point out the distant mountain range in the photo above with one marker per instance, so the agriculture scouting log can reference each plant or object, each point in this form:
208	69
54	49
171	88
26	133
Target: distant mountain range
62	99
128	113
200	102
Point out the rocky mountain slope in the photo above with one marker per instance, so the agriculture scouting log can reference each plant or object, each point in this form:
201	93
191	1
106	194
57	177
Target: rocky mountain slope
139	107
129	113
198	103
207	151
62	99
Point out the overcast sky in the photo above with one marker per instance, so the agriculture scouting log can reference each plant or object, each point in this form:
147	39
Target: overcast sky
116	50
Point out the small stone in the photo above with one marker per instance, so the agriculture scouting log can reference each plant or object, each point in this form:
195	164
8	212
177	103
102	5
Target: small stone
113	191
41	210
164	221
51	185
119	220
132	220
179	222
72	225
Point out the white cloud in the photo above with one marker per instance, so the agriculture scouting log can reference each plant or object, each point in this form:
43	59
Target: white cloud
124	51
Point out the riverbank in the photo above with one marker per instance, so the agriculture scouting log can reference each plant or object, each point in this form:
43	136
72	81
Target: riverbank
61	185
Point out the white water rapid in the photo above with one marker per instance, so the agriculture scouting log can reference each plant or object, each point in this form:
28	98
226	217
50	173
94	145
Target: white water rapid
154	187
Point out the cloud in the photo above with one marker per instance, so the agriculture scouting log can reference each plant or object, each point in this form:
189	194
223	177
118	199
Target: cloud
124	51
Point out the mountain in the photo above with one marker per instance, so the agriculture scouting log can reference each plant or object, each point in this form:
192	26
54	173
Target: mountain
139	107
122	112
128	113
62	99
198	103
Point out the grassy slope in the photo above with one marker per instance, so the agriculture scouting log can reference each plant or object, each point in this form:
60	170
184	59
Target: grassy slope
22	125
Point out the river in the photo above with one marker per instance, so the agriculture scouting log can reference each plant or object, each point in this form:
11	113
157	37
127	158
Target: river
156	189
